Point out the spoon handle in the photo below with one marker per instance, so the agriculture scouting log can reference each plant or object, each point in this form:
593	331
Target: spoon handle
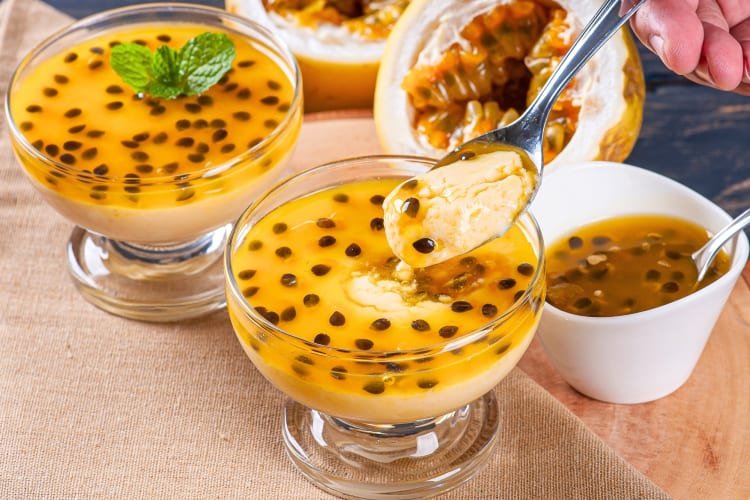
705	255
608	19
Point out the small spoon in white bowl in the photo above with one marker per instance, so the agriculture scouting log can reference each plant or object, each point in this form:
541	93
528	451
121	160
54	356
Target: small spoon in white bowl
476	192
704	256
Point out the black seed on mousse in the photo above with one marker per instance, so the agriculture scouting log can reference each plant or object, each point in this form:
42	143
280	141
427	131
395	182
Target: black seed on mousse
202	147
283	252
244	94
380	324
273	85
34	108
288	314
250	291
424	245
466	155
279	227
231	87
311	300
525	269
94	133
410	207
326	241
205	100
71	145
38	144
242	116
364	344
322	339
49	92
164	38
575	242
272	317
670	287
139	155
114	89
200	124
182	124
219	135
185	142
114	105
337	319
76	129
653	275
377	199
246	274
461	306
427	383
420	325
227	148
353	250
506	284
73	113
196	158
325	223
448	331
255	245
95	64
129	144
518	294
192	107
340	198
218	123
410	184
377	224
288	279
70	57
489	310
52	149
26	126
375	387
160	138
320	269
170	167
270	100
67	158
89	153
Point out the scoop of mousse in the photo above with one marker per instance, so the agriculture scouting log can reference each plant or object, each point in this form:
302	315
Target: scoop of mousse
453	209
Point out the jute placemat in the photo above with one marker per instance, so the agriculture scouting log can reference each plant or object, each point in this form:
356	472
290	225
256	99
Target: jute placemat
92	405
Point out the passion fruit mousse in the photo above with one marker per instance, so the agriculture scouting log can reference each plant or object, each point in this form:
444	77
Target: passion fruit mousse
333	318
148	169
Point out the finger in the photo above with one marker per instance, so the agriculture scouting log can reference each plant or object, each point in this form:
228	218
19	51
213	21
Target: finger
722	60
741	32
672	30
735	11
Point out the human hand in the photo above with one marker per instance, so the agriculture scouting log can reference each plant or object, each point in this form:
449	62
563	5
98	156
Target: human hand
707	41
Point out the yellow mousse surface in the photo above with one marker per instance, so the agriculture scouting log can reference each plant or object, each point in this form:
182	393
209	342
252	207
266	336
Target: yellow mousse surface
124	150
368	336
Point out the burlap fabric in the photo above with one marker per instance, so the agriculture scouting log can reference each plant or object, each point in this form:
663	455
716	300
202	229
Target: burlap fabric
92	405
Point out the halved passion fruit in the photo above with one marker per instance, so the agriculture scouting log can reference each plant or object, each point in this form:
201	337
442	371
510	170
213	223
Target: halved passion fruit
456	69
338	44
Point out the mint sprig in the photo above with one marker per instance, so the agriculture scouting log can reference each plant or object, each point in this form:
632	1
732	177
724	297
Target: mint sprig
169	73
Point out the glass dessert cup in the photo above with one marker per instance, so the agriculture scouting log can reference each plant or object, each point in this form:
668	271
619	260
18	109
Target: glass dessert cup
152	184
385	401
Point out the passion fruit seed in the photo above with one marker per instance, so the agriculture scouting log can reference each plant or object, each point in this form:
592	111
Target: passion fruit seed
288	314
380	324
246	274
670	287
448	331
460	306
326	241
337	319
311	300
353	250
506	284
425	245
283	252
377	224
250	291
255	245
364	344
288	280
279	228
410	185
489	310
427	383
525	269
575	242
320	269
410	207
375	387
467	155
322	339
325	223
338	372
377	199
420	325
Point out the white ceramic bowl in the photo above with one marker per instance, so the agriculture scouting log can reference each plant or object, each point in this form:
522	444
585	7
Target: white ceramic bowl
643	356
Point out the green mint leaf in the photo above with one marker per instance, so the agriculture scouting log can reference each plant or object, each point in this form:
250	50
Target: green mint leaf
132	62
170	73
204	60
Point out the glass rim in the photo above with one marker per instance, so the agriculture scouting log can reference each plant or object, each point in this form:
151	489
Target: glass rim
91	22
239	227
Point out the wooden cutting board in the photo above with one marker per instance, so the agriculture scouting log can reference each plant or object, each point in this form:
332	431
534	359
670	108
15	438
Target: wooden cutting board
694	443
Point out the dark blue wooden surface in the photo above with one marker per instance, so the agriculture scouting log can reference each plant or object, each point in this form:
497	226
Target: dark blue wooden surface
696	135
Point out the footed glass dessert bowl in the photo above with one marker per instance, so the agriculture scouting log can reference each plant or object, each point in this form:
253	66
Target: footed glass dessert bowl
152	183
389	369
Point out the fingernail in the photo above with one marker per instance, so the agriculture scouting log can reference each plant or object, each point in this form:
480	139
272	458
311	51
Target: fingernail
656	42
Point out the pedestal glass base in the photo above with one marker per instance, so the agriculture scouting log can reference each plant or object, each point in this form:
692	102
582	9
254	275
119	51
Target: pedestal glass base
151	283
416	460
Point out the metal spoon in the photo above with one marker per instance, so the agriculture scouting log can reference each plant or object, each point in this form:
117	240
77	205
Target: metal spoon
704	256
526	133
